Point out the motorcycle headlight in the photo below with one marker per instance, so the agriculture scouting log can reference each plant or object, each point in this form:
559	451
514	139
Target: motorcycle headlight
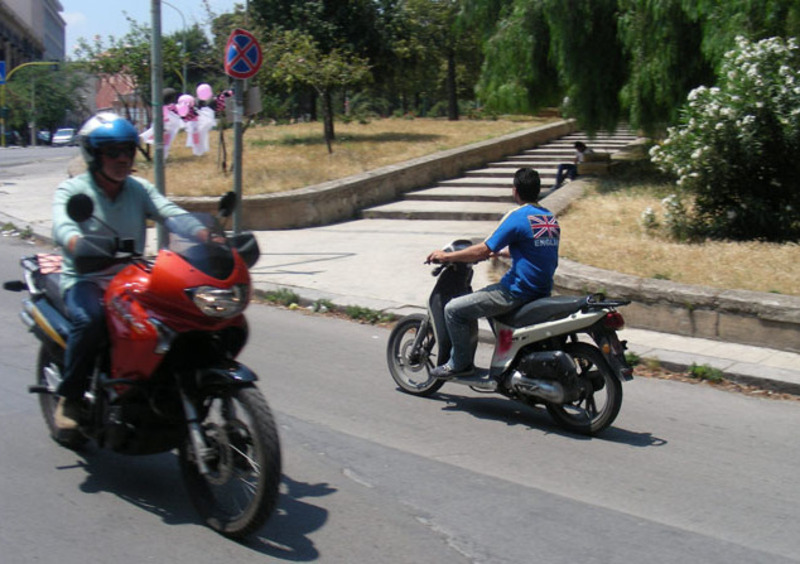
220	302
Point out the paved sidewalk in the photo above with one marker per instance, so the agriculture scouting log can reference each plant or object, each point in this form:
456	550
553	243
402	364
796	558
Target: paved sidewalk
378	264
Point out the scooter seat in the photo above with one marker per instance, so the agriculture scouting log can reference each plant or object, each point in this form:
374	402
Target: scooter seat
541	310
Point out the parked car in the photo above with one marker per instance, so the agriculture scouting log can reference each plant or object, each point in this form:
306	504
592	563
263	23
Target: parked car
64	136
13	138
43	136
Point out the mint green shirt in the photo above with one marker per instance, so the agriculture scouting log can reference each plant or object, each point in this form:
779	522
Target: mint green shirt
137	201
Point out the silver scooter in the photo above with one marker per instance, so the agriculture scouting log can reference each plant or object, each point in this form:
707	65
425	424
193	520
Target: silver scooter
539	357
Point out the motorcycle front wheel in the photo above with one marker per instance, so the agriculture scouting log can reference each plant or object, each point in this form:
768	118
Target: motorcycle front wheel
599	404
240	491
410	369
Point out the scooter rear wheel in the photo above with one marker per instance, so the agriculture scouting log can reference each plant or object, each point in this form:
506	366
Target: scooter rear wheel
241	489
410	372
598	407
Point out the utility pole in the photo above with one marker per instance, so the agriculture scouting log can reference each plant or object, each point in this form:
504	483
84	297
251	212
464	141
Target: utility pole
157	102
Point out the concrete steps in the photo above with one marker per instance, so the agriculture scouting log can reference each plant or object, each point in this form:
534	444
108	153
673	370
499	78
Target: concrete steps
484	194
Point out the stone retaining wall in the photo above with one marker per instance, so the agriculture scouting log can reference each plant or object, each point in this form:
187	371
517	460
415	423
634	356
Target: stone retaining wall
342	199
737	316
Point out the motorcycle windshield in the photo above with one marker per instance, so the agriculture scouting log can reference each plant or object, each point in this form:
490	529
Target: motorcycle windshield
200	240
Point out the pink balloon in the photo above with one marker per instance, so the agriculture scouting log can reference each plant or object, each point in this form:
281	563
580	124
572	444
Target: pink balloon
204	92
186	100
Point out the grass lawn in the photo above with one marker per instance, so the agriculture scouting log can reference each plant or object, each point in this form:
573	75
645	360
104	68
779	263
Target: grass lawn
604	230
285	157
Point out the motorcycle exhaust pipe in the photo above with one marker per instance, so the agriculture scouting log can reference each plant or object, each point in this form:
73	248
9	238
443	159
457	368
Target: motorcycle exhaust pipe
548	390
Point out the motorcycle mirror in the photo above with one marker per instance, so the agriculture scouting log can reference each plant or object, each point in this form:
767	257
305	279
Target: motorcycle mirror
80	207
227	203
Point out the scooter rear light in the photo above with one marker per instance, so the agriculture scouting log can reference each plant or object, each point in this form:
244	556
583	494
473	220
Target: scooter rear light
613	320
504	340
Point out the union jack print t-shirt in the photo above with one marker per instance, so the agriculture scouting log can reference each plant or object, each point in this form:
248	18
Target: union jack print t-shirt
531	234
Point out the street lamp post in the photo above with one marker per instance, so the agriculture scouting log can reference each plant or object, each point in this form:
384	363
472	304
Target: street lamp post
183	46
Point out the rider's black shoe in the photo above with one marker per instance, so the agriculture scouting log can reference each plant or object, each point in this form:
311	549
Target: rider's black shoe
445	372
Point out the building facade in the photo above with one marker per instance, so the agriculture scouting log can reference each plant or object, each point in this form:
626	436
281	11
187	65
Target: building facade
31	30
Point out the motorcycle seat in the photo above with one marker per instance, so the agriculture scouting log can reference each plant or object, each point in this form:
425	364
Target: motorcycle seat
52	289
541	310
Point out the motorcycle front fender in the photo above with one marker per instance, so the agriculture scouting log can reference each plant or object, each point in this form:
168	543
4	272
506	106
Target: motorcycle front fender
225	373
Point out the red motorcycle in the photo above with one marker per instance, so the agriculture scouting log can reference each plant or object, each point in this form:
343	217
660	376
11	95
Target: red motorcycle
167	378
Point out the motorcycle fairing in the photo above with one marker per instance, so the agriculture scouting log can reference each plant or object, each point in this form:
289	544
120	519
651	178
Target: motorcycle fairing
225	373
46	321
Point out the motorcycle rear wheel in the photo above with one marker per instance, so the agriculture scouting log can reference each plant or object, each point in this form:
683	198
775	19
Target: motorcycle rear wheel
47	361
412	374
240	491
596	410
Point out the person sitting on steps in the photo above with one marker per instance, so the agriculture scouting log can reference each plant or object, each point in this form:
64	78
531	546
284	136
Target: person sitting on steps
530	235
570	170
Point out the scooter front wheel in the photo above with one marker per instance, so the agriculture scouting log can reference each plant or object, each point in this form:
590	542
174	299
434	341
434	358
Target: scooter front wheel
410	365
240	491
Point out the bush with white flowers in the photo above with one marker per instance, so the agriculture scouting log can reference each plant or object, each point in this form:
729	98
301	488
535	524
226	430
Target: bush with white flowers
736	151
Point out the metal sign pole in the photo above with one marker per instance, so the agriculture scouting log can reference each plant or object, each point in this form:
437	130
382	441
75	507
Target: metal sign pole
238	112
242	60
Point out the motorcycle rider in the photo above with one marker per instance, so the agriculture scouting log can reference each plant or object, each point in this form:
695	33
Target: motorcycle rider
108	144
528	234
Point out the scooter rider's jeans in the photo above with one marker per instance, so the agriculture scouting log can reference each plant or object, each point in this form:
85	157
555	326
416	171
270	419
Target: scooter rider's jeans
463	312
84	303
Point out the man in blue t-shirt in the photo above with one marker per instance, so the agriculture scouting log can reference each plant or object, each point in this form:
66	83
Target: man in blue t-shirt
530	236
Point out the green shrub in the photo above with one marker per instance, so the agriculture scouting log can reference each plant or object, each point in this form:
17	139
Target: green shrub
281	296
706	372
368	315
735	149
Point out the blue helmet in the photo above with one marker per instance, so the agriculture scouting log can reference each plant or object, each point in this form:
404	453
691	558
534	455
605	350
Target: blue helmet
105	128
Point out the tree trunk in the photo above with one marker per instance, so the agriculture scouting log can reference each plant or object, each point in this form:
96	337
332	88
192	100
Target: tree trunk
327	113
452	97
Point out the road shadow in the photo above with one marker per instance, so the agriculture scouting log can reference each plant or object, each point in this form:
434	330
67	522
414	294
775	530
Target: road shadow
285	536
153	483
295	260
512	413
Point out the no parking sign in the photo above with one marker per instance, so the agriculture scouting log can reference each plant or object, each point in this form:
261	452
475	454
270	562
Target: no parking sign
242	55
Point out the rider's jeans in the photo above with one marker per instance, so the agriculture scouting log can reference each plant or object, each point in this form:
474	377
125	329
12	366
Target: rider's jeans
462	312
84	303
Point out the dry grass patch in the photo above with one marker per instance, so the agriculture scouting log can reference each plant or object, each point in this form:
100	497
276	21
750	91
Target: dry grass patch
284	157
605	231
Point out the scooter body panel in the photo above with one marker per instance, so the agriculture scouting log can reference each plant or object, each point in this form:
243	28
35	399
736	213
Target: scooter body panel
510	340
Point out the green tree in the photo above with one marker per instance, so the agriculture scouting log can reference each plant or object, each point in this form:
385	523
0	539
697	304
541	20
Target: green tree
445	48
586	48
49	97
663	48
612	60
128	60
517	74
295	58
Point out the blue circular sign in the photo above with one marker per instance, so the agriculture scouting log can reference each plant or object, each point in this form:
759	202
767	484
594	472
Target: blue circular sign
242	54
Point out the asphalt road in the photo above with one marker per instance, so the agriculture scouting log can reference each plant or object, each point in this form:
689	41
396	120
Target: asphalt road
686	474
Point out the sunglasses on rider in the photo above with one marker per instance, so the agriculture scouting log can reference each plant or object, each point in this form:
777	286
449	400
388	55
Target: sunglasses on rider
115	151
